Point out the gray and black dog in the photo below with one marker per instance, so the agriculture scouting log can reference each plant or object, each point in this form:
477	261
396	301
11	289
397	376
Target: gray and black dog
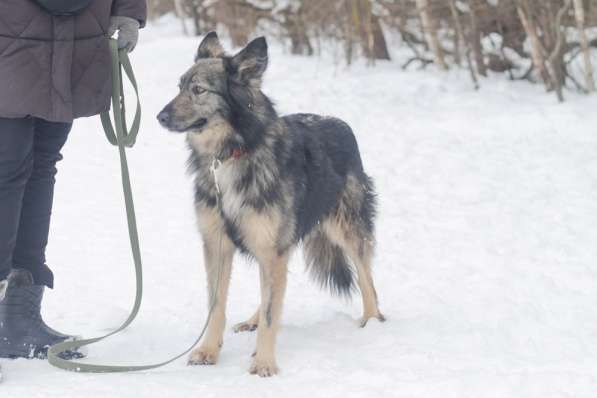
264	184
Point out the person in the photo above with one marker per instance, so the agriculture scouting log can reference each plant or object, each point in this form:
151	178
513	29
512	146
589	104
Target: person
53	69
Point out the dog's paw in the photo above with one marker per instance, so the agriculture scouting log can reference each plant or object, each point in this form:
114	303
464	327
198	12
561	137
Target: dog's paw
263	368
204	356
365	319
245	327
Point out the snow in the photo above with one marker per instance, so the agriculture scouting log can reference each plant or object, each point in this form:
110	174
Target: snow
486	266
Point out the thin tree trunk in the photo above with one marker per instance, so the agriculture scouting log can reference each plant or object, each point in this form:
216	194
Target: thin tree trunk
579	12
530	28
196	17
475	39
555	58
380	46
367	39
297	31
180	13
431	33
457	44
460	35
352	24
503	46
373	40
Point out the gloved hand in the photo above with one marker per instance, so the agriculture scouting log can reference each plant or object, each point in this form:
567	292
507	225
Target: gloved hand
128	31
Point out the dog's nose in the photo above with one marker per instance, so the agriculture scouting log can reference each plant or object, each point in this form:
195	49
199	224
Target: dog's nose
164	118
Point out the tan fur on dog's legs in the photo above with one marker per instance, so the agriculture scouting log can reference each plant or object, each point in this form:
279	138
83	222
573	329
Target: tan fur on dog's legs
249	325
361	257
273	276
218	254
361	252
370	304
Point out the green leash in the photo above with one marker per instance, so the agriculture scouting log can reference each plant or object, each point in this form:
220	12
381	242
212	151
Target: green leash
122	138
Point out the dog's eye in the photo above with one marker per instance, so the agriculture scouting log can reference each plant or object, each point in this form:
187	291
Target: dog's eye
198	90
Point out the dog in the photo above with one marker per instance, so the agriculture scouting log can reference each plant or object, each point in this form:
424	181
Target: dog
265	184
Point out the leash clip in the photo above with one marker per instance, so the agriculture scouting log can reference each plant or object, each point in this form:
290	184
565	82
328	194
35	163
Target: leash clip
215	165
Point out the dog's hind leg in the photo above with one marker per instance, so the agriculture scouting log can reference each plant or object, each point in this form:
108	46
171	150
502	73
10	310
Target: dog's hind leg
249	325
368	293
359	248
352	229
218	253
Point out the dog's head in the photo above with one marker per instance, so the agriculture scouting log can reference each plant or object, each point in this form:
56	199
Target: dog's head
215	85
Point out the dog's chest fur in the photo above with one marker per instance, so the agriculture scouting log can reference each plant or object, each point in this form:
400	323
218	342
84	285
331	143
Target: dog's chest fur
228	177
251	199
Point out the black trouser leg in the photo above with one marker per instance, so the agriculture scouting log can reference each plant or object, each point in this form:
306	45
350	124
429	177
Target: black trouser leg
34	224
29	151
16	165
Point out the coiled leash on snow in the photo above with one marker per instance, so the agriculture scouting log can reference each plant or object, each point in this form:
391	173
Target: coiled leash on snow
122	138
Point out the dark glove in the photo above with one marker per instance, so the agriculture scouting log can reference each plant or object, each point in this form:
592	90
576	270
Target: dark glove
128	31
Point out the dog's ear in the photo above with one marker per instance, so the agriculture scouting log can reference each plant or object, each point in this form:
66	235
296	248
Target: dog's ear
210	47
250	64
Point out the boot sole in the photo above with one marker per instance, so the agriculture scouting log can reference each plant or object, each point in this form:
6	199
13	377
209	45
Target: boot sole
30	351
14	351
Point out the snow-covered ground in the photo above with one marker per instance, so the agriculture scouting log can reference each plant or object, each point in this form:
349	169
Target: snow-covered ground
486	266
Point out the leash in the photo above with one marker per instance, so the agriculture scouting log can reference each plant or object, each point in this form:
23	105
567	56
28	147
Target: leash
123	138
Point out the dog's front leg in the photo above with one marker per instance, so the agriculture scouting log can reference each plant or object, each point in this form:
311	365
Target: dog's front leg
272	272
218	253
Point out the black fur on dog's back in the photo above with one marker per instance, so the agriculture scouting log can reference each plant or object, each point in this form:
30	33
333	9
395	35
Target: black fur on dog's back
328	155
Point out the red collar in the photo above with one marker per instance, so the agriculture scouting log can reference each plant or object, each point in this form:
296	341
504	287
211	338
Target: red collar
238	153
231	153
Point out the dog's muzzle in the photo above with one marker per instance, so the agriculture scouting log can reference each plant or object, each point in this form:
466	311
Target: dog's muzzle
165	120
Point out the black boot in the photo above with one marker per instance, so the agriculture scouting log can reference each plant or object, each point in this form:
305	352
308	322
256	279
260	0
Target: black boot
23	333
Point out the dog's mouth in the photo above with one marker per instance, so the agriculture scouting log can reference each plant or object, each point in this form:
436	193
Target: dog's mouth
193	128
198	125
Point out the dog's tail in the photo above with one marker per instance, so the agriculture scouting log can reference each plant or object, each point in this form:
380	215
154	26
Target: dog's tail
328	264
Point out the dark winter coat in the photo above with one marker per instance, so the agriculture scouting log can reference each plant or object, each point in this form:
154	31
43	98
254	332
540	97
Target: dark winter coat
57	68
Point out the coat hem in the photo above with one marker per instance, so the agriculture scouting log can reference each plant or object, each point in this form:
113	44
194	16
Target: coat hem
10	115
